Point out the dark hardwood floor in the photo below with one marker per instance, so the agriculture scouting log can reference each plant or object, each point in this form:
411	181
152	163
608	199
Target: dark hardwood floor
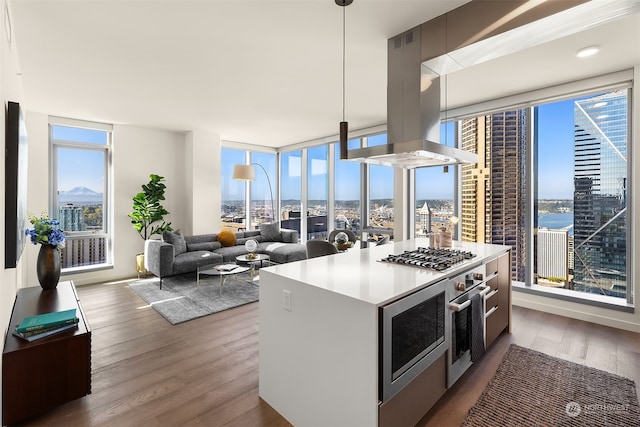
609	349
149	373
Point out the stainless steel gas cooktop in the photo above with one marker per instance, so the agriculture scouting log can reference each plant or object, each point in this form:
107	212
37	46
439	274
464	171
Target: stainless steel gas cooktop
438	259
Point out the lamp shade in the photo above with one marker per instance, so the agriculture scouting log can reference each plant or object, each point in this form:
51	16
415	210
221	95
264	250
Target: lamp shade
244	172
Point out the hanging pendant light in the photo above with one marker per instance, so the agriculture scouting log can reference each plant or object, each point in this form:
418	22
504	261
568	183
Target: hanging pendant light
445	168
344	125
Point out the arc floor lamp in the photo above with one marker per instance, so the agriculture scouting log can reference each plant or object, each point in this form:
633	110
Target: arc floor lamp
248	173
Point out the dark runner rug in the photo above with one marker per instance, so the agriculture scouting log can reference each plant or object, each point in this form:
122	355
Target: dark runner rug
180	300
533	389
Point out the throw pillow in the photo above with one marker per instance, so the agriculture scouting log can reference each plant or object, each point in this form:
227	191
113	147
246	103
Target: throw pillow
227	238
177	240
270	232
204	246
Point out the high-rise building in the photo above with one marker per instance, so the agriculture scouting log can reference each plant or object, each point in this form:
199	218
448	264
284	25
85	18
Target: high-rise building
493	190
552	261
570	260
84	250
71	218
424	214
600	160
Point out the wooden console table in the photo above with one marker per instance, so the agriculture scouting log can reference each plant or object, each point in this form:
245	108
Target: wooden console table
40	375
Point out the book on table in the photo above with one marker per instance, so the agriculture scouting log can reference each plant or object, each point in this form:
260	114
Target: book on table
43	333
47	320
226	267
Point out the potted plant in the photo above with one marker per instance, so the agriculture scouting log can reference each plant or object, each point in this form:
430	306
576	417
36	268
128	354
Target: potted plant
148	213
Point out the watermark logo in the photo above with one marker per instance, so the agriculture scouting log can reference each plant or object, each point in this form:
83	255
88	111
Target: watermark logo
609	408
573	409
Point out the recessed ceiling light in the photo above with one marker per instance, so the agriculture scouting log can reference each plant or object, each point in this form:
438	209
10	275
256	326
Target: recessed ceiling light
587	51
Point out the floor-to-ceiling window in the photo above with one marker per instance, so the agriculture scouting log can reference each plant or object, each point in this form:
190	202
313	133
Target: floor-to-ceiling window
291	189
317	192
233	206
80	190
581	194
347	191
435	192
493	193
381	193
342	190
263	204
564	164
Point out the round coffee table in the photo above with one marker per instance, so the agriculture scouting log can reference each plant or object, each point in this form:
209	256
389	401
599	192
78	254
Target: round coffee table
259	258
222	270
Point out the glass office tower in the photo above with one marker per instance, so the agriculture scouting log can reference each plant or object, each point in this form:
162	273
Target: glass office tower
600	196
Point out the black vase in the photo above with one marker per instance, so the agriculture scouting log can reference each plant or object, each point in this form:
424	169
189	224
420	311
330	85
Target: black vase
48	266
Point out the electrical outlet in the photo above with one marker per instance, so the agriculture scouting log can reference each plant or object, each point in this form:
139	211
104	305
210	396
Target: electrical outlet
286	299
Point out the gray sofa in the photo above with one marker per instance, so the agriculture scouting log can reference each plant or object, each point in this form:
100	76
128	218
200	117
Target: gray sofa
177	254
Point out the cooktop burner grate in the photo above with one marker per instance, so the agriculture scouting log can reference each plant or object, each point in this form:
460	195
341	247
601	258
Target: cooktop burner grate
438	259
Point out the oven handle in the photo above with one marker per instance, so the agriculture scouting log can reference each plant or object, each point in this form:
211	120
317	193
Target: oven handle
459	307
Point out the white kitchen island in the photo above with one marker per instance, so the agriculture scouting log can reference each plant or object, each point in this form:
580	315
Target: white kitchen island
318	320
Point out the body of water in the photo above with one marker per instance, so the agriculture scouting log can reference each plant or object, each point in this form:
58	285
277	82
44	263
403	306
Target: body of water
557	221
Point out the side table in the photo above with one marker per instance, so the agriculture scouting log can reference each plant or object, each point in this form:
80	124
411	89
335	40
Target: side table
259	258
211	270
40	375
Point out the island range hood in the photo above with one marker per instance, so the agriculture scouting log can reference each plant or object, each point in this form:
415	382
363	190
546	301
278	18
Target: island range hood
413	113
475	32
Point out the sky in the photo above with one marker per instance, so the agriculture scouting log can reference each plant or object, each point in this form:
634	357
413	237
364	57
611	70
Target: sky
84	168
555	150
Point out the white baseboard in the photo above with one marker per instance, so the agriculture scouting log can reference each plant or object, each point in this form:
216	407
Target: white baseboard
587	313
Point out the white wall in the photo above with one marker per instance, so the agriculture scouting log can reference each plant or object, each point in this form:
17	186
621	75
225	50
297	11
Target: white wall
137	153
10	90
203	182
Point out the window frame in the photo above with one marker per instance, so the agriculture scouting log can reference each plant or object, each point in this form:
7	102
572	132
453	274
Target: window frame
57	144
228	158
529	100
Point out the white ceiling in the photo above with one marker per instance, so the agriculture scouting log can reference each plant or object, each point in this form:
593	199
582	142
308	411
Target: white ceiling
262	72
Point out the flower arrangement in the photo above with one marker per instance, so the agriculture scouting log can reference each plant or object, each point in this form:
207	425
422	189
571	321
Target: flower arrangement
45	231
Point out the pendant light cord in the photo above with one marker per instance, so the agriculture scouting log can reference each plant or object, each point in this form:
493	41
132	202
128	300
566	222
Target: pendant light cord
446	82
344	126
344	48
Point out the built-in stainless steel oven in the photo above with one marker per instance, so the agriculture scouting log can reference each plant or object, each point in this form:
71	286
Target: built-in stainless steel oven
414	332
466	313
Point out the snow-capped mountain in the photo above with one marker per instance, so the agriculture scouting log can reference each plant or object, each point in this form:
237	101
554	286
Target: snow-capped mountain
79	195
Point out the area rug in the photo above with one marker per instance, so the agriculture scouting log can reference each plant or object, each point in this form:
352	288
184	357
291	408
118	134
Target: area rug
533	389
180	300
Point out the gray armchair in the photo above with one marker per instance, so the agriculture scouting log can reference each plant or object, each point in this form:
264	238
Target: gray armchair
318	248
